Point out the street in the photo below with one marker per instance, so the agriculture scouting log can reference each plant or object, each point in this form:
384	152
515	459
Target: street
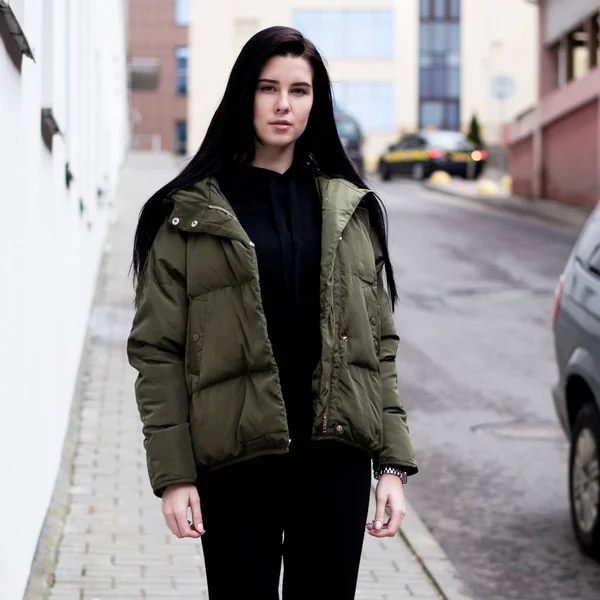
476	364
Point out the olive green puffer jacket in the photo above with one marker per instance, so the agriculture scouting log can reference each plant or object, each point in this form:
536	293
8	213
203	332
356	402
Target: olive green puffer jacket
208	388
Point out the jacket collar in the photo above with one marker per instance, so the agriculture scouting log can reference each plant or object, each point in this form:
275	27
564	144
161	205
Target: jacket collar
203	208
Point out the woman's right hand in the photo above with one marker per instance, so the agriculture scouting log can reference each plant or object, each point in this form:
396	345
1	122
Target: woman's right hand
175	502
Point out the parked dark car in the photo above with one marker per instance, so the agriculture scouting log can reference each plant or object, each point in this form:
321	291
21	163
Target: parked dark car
576	323
352	139
420	154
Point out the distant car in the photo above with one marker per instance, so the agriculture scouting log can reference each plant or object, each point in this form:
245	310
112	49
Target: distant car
352	139
420	154
576	323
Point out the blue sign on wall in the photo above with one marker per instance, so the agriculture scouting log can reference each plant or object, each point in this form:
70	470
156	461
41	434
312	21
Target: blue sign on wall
503	86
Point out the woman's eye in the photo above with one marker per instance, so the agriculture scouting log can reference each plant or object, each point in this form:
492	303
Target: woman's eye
267	88
300	91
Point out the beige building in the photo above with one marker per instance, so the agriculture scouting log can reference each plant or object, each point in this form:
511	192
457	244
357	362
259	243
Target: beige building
396	65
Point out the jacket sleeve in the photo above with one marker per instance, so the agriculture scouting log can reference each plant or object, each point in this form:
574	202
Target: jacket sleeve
397	447
156	349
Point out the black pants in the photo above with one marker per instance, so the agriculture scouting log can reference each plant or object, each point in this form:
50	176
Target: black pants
309	507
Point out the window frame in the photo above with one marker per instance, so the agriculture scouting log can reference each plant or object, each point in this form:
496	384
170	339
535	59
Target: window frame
179	91
179	149
434	66
377	92
178	11
340	42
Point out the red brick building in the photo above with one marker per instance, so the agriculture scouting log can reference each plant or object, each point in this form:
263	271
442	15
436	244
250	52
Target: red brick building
554	148
158	54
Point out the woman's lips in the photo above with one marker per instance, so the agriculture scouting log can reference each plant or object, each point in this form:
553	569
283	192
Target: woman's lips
281	125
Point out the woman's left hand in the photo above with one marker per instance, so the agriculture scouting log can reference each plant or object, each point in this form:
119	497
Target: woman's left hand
390	495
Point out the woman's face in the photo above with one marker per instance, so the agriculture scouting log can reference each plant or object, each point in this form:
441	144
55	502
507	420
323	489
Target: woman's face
283	99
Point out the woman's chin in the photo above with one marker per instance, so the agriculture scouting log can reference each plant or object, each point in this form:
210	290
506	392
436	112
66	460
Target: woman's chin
278	141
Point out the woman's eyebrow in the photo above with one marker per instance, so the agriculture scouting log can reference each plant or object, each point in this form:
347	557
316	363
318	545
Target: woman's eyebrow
296	84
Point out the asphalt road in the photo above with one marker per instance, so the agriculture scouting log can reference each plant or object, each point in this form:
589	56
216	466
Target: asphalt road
476	365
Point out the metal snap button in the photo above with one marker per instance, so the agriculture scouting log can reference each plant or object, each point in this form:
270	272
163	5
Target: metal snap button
194	223
339	429
373	321
175	221
253	244
195	337
344	338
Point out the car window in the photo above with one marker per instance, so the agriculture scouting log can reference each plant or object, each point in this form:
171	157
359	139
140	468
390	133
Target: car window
399	145
594	262
347	128
449	140
588	247
410	141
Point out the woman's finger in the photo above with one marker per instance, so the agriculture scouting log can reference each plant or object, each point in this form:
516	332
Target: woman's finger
197	523
380	503
397	513
184	526
172	523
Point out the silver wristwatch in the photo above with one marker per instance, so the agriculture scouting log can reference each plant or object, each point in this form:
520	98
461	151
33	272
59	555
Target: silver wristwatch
391	471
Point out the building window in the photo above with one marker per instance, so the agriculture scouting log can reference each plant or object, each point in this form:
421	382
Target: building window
181	72
371	104
582	46
180	137
182	12
144	74
439	64
349	33
12	34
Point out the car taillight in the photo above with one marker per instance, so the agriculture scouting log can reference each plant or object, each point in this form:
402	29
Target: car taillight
558	292
478	155
436	153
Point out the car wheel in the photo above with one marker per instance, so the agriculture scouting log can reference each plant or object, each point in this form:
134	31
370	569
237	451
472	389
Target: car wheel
386	172
418	172
584	480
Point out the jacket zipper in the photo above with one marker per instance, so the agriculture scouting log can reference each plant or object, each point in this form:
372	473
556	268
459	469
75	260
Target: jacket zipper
330	377
223	210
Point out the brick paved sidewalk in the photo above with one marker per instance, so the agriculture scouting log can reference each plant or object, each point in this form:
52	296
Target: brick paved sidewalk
114	542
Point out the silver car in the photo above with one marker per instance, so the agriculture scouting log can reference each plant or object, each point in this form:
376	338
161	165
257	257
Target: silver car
577	393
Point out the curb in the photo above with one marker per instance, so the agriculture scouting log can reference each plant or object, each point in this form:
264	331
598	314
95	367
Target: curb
434	561
571	217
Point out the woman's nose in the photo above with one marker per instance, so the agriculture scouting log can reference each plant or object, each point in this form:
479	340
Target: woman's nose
283	104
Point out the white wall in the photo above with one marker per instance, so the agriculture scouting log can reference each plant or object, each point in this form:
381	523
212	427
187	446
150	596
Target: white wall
497	37
219	29
49	253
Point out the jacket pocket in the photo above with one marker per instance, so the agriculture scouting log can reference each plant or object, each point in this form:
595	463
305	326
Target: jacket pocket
195	334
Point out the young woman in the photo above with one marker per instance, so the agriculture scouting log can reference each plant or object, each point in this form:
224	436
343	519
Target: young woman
265	343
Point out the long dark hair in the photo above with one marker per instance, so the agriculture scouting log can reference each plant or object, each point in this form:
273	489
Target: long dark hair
231	135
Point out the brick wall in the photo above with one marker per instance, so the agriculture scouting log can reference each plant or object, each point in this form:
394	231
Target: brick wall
570	150
520	158
153	33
